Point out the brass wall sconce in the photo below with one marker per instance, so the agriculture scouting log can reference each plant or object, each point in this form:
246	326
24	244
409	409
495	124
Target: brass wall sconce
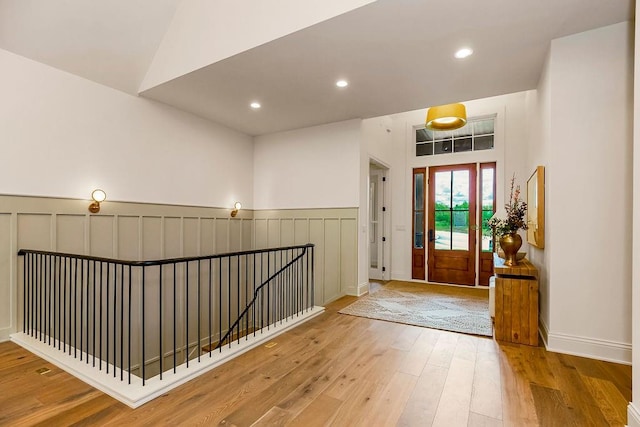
98	197
237	206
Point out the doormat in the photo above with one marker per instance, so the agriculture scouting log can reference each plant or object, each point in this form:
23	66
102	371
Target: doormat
453	309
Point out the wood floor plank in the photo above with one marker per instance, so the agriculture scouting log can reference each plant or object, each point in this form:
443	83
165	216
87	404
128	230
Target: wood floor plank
455	402
422	405
479	420
551	408
486	396
320	412
345	371
610	401
390	404
572	387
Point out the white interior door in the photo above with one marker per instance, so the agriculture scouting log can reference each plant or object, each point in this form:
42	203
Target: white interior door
377	238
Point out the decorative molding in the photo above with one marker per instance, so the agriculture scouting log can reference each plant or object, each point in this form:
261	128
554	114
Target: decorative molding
544	332
633	415
363	288
609	351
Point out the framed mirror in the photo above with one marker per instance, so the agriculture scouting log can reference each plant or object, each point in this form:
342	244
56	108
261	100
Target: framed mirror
535	208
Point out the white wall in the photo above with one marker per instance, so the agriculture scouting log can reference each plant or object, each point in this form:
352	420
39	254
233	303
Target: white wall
377	145
509	153
206	31
63	136
589	193
314	167
539	107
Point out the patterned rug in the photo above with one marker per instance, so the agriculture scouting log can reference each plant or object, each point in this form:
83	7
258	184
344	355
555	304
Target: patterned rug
427	308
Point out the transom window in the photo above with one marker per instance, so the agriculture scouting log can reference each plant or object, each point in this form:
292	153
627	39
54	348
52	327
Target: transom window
476	135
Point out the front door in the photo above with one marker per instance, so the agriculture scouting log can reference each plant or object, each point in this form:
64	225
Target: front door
452	224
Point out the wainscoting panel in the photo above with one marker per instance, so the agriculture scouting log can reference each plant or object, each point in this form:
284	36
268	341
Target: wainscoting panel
130	231
333	231
101	232
316	236
207	236
172	237
7	270
151	238
129	242
70	234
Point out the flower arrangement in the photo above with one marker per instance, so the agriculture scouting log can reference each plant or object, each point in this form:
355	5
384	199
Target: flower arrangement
516	210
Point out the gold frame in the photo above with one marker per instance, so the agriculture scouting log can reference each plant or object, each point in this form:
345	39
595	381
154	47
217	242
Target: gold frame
535	208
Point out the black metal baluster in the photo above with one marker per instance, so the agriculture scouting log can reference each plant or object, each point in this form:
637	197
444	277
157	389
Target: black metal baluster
161	352
74	309
220	304
229	301
121	322
129	331
174	318
95	332
56	302
40	299
254	294
47	298
268	290
143	361
186	312
106	309
25	267
64	305
238	292
210	302
82	307
198	299
115	317
246	295
100	320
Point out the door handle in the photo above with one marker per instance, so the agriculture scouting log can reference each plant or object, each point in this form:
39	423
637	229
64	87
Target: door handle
432	236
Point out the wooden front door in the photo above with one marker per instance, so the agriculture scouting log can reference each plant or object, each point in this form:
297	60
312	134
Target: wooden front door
452	218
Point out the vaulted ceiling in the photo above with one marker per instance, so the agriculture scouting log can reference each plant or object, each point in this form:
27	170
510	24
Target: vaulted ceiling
396	54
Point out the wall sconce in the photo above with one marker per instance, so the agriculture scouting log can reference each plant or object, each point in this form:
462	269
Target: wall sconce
98	197
236	206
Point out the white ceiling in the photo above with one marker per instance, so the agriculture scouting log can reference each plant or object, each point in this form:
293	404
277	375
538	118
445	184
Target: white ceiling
396	54
110	42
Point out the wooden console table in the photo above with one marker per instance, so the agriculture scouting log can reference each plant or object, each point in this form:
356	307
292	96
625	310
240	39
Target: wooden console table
516	302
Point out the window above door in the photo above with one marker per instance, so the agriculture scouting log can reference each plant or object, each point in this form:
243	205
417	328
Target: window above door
478	134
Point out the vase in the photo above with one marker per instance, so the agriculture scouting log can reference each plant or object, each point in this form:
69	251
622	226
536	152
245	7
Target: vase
510	244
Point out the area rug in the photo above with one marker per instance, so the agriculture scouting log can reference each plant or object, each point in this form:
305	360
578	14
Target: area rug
426	308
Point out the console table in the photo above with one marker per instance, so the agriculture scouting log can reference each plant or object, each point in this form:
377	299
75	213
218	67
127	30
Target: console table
516	302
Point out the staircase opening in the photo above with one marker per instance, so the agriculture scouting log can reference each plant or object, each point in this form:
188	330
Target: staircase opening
135	329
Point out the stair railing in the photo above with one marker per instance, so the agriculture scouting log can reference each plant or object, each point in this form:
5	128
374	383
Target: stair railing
145	318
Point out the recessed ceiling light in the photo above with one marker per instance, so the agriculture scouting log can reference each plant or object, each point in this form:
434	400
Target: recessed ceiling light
342	83
255	105
463	53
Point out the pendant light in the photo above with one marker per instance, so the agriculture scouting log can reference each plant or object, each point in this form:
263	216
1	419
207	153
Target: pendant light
446	117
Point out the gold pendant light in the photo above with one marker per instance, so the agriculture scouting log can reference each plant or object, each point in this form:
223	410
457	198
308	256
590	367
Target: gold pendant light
446	117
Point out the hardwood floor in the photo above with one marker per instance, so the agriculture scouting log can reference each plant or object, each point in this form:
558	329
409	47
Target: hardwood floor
345	371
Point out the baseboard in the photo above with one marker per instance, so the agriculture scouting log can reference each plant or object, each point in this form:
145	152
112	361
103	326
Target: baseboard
544	333
5	334
358	290
633	415
363	288
609	351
